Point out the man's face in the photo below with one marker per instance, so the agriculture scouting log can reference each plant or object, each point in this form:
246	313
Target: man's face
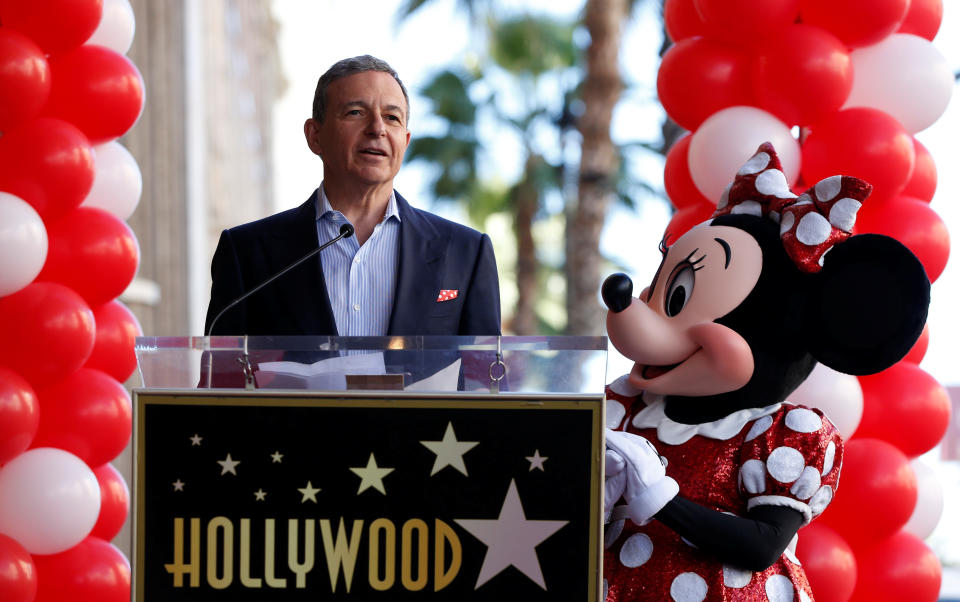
364	132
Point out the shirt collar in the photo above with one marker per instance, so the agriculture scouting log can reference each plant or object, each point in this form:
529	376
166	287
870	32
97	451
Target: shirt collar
324	208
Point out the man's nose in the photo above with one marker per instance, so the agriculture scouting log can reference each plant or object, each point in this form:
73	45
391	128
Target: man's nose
376	126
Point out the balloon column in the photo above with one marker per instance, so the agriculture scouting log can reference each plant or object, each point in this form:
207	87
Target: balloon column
838	87
67	92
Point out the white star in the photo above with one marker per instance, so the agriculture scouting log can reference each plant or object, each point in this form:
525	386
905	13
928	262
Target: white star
229	465
449	451
511	539
309	493
371	476
178	485
260	494
277	457
536	460
195	440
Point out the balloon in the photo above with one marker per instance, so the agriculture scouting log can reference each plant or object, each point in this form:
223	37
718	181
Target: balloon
929	507
117	183
906	407
923	18
96	89
681	19
877	494
117	330
718	72
24	79
746	21
47	163
88	414
915	224
685	219
680	188
93	570
837	394
828	562
18	575
919	349
802	74
899	568
116	27
47	332
55	25
904	76
93	253
725	141
114	502
855	22
23	244
49	500
19	415
860	142
923	180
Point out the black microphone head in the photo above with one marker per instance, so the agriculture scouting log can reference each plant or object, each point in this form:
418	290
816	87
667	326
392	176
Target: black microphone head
346	230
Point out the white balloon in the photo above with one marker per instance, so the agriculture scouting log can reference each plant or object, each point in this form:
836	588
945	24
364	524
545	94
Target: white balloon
838	395
117	182
726	139
49	500
116	27
23	244
904	76
926	514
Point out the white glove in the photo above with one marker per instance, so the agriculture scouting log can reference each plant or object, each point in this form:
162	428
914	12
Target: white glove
615	481
646	487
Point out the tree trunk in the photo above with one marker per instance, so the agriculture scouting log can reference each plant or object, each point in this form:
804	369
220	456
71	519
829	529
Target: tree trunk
525	200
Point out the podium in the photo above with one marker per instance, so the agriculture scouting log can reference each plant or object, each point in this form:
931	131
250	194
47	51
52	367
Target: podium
368	468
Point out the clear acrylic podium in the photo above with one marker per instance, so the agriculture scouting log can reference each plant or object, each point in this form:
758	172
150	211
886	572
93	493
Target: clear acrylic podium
368	468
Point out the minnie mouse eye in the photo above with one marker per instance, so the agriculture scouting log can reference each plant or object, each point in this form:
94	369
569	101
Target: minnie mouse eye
679	290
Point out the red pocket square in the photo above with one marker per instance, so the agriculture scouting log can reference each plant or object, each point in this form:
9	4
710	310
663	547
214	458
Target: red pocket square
447	295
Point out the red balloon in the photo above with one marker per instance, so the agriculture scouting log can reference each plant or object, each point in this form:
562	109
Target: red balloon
49	164
680	188
919	349
681	20
861	142
878	492
24	79
113	350
802	74
828	562
91	570
18	575
901	567
923	18
19	416
93	252
114	502
88	414
47	332
915	224
98	90
698	77
685	219
55	25
923	180
856	22
904	406
746	21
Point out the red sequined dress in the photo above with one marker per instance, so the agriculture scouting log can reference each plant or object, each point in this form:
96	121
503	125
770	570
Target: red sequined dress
781	455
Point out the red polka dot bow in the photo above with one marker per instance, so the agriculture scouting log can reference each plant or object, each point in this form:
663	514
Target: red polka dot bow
810	224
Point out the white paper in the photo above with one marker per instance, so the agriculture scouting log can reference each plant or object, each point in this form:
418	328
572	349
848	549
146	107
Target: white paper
325	375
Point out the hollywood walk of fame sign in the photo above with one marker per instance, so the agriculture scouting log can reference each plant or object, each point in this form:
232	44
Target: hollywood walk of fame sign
270	496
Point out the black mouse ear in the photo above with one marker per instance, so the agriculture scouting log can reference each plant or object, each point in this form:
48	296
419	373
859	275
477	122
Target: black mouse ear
869	305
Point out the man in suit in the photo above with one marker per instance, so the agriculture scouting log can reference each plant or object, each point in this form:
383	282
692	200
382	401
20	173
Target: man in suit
405	272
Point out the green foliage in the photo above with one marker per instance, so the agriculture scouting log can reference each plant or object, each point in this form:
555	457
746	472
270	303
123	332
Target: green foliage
532	45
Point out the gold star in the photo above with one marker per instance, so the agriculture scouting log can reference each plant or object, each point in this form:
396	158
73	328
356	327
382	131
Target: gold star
309	493
536	460
178	485
277	457
449	451
229	465
371	476
260	494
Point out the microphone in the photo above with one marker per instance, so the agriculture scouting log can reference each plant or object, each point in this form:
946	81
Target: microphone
346	231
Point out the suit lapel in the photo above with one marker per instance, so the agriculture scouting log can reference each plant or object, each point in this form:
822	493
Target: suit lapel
418	272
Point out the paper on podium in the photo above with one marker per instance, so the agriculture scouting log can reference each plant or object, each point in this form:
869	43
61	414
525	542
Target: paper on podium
324	375
444	380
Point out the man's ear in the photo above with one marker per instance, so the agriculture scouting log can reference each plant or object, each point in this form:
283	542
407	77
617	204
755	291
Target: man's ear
868	306
311	131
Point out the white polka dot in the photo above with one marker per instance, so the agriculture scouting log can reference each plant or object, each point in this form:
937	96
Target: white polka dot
785	464
688	587
813	229
753	476
612	532
824	255
759	427
664	461
803	199
615	413
747	208
843	214
821	499
736	577
636	550
786	222
773	182
828	188
779	588
804	597
828	457
808	483
756	163
803	420
725	197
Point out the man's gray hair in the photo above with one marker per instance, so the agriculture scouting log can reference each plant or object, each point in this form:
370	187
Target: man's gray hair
351	66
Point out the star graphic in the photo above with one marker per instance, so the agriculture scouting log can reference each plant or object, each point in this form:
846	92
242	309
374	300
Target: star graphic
260	494
449	451
178	485
195	440
309	493
277	457
229	465
511	539
371	476
536	460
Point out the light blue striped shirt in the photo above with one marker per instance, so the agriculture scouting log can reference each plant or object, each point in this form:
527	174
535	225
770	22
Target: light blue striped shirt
361	280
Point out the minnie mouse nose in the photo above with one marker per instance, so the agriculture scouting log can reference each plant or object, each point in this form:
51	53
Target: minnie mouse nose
617	291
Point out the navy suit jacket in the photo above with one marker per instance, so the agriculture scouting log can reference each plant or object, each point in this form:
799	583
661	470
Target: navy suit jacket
435	254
